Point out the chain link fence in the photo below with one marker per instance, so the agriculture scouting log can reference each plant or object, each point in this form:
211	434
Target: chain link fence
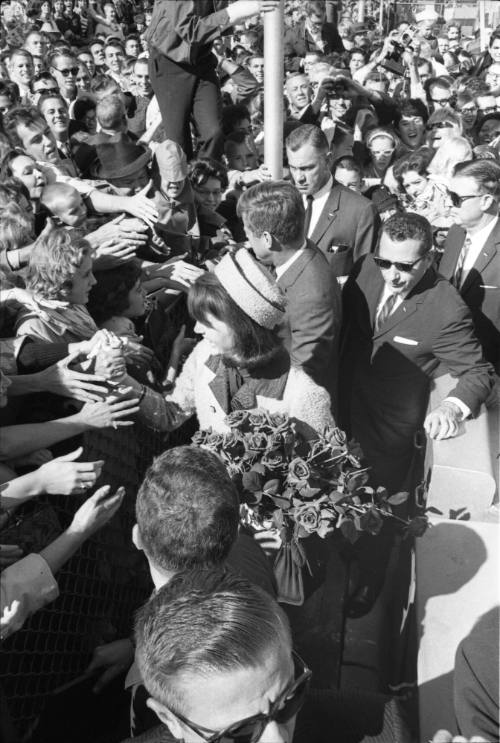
100	587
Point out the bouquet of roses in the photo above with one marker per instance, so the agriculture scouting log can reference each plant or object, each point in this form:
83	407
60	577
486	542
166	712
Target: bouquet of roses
298	486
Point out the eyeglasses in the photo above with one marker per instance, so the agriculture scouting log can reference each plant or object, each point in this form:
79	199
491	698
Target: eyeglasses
457	200
438	125
489	110
66	71
206	192
404	267
41	91
442	101
250	730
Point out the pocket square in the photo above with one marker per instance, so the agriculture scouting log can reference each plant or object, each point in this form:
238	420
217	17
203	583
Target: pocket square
488	286
406	341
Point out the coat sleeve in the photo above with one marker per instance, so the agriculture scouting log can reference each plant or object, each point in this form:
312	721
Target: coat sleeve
368	223
310	404
30	582
457	348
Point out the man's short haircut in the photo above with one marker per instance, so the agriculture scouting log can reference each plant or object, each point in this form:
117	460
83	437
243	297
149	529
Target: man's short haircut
48	96
60	54
18	116
21	53
401	227
204	623
233	141
115	43
307	134
437	82
346	162
275	207
187	510
411	107
486	173
105	86
232	114
82	106
314	6
357	50
111	112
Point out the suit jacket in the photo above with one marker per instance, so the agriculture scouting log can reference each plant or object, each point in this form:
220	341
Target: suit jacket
385	375
299	41
313	317
348	219
481	288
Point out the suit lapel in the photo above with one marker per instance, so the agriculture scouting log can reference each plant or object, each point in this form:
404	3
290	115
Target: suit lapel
485	256
291	274
409	305
328	215
454	245
372	286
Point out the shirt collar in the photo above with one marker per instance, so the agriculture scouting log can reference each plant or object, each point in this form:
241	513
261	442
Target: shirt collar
480	237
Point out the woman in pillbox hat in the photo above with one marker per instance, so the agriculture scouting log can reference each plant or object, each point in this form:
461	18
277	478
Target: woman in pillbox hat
241	362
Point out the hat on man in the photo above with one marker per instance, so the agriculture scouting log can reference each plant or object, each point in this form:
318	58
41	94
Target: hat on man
359	28
171	160
118	156
382	199
252	288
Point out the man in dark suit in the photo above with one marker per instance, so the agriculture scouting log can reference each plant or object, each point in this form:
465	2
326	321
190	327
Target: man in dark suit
342	223
471	258
401	322
315	33
273	217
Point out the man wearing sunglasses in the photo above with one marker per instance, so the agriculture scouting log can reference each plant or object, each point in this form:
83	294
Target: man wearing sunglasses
64	68
471	258
216	656
403	321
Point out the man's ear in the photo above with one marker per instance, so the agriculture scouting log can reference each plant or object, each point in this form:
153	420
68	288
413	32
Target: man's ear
136	537
166	717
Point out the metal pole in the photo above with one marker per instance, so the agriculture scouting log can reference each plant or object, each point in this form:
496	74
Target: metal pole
361	11
482	26
273	91
381	14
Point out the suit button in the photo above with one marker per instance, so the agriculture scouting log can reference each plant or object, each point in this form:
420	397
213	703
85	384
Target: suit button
212	408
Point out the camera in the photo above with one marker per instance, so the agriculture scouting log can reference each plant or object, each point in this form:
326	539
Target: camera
401	42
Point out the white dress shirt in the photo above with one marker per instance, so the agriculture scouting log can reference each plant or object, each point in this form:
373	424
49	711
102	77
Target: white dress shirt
477	242
319	200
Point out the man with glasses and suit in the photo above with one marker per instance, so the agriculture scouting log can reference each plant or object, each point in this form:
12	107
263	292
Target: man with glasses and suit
63	67
216	656
403	322
471	258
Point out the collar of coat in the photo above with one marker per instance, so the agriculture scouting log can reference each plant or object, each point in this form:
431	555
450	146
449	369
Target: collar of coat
237	389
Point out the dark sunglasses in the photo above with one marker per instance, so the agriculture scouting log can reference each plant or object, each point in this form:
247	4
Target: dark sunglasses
282	710
66	71
438	125
398	265
42	91
457	200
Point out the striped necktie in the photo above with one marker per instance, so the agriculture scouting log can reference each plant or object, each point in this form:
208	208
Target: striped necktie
459	270
384	311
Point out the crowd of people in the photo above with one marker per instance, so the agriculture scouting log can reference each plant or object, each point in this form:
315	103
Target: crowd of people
132	180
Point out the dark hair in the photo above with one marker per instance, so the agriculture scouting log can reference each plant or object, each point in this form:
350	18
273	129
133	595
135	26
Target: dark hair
417	161
10	89
114	42
254	345
436	82
20	115
82	106
203	623
109	297
232	114
274	207
486	173
57	54
48	96
43	76
409	226
201	170
357	50
307	134
493	116
314	6
187	510
347	162
11	189
494	36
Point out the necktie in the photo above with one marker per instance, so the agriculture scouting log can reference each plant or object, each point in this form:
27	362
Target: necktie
384	311
459	270
309	211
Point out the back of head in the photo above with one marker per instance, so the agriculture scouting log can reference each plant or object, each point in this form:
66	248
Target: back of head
111	114
53	262
203	623
409	226
275	207
452	151
56	195
187	510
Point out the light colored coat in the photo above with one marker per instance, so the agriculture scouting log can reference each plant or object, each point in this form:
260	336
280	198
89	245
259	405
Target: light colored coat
303	399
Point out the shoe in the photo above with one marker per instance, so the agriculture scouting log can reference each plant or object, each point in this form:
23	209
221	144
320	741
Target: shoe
361	602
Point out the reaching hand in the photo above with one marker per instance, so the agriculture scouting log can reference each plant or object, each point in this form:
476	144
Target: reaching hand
243	9
92	347
9	553
113	252
142	207
135	351
443	736
65	476
97	511
444	421
112	659
109	413
61	380
33	459
9	620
